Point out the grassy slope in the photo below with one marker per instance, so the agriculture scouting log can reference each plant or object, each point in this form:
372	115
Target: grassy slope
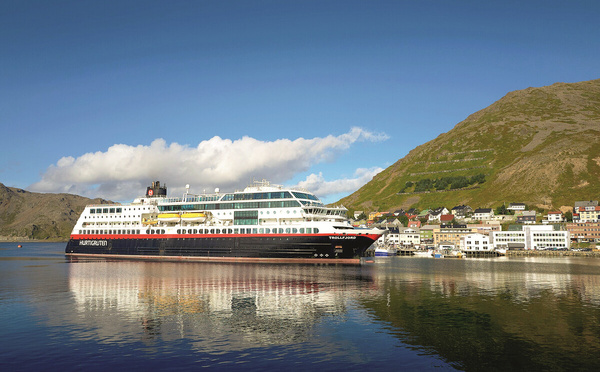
537	146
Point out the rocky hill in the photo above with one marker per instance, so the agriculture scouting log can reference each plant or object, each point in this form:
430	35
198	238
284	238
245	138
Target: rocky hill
538	146
27	215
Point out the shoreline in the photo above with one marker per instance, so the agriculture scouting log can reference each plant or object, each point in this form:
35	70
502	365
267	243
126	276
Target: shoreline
6	239
570	253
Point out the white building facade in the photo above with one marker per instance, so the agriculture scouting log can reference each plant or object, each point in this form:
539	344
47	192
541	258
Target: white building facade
532	237
476	243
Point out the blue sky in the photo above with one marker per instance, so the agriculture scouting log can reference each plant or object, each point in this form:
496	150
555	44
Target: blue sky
98	98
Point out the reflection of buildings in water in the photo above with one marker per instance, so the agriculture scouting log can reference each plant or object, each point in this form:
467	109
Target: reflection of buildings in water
259	303
524	278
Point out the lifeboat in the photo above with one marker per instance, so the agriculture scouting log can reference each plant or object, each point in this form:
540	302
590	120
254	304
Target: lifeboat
168	217
193	217
149	221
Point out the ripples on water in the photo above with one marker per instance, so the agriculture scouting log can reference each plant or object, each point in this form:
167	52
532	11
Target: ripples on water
398	313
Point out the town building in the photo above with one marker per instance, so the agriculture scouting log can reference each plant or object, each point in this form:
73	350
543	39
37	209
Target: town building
476	242
451	233
584	206
426	233
483	214
555	217
435	214
531	237
414	224
516	207
486	228
409	237
589	214
462	211
584	232
446	219
528	217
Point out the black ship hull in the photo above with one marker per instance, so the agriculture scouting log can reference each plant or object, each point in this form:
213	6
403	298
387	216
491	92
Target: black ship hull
267	248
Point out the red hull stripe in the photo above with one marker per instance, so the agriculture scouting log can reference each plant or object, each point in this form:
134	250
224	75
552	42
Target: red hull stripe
352	261
199	236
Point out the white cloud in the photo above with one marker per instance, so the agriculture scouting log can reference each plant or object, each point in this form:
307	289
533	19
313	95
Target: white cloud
123	172
317	184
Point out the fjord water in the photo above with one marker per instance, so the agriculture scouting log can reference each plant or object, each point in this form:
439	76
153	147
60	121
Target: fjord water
399	313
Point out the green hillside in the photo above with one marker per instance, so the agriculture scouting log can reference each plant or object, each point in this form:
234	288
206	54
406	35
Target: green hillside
538	146
29	215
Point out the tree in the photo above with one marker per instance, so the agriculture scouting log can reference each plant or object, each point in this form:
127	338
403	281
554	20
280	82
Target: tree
362	216
501	210
569	216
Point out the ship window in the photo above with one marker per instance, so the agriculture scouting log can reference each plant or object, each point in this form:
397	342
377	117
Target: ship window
118	210
309	230
105	210
261	231
287	230
254	231
294	231
92	211
137	231
281	230
302	230
236	231
316	230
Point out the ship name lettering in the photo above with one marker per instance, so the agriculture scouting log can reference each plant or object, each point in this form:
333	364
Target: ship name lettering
96	243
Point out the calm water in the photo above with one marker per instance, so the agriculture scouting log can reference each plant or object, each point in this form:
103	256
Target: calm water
397	313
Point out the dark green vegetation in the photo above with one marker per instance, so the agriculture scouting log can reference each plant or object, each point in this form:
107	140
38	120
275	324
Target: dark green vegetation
443	183
537	146
25	214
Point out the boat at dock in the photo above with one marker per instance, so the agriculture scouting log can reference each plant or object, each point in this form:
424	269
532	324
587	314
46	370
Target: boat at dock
262	223
385	252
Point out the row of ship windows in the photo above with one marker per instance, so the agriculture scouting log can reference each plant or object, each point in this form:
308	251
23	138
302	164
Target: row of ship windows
115	210
227	206
287	230
111	217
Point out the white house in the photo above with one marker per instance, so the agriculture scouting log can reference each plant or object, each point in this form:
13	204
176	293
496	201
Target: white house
434	214
410	237
555	217
476	242
407	237
483	214
516	207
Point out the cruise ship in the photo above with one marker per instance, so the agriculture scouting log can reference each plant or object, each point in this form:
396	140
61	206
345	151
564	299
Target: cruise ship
262	223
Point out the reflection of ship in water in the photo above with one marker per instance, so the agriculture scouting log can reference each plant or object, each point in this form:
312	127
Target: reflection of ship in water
246	304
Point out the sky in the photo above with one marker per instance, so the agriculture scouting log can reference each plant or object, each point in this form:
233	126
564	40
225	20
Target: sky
99	98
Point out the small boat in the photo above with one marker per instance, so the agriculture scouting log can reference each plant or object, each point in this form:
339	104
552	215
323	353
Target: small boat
422	253
19	246
384	252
